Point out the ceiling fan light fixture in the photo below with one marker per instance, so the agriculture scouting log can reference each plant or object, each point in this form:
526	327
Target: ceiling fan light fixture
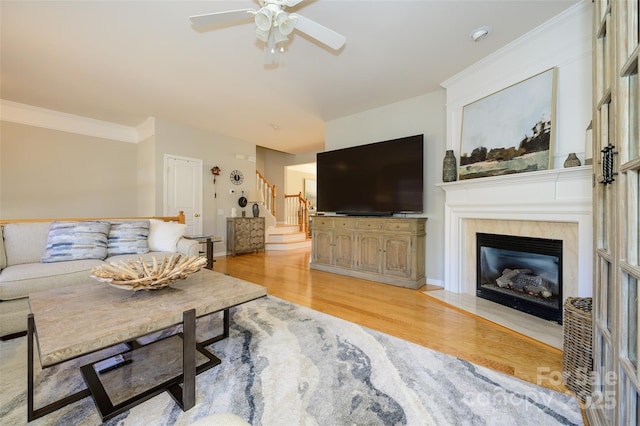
264	19
262	35
278	36
285	23
273	25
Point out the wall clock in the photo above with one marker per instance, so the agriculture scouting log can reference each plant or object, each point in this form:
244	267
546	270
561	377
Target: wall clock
236	177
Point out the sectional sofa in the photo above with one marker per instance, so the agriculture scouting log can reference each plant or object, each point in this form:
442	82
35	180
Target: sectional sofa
43	254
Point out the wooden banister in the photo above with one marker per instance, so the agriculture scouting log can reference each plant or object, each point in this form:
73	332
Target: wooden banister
297	211
269	192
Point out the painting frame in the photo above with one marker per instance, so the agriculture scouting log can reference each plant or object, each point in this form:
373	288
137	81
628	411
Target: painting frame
511	130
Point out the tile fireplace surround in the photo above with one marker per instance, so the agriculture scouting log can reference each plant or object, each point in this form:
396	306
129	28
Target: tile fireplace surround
546	204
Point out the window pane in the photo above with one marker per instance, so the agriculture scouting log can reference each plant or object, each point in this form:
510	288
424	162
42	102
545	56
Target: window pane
632	319
605	302
633	115
609	285
636	410
602	365
608	385
631	244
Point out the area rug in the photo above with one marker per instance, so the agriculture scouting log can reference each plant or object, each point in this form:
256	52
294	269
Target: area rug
284	364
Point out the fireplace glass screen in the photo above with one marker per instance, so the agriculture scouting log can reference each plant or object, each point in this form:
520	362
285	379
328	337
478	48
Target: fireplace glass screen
523	273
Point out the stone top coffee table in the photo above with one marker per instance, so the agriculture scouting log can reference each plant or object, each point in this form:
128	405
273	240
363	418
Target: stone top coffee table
67	323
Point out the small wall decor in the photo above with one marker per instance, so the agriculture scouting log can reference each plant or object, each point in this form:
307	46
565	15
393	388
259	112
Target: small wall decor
236	177
510	131
215	171
242	201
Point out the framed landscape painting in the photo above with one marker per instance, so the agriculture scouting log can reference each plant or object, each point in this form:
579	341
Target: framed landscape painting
510	131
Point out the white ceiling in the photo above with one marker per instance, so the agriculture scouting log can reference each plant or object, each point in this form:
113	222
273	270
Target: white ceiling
124	61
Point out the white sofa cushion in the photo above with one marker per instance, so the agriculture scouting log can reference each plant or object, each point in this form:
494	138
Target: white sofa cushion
76	241
19	280
25	242
164	236
128	237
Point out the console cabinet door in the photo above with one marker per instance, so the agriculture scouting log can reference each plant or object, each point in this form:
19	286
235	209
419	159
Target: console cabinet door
322	242
243	235
343	249
257	233
370	253
397	256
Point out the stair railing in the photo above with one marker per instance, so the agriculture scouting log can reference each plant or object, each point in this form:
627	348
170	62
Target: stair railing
297	211
269	192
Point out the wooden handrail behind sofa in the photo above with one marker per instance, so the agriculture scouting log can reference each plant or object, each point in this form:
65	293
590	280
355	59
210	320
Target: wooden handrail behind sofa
180	218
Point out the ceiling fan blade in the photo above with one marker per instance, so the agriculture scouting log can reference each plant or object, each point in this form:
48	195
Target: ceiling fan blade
292	3
319	32
219	18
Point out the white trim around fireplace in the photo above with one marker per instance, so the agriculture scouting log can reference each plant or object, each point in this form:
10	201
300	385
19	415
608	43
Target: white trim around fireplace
558	195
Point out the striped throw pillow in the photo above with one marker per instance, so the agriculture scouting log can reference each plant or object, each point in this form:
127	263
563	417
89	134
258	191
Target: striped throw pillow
76	241
129	237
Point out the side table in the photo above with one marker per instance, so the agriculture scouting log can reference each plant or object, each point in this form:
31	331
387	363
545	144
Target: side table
208	241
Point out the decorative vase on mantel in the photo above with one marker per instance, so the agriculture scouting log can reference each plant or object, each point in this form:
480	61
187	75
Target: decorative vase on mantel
449	167
572	160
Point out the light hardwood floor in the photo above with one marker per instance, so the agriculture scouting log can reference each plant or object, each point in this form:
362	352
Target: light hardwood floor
405	313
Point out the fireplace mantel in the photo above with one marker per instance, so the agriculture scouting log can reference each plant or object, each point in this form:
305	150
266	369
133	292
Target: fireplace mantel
557	195
556	202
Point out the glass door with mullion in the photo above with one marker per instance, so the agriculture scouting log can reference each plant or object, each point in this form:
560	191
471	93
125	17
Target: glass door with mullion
626	163
604	292
628	272
601	408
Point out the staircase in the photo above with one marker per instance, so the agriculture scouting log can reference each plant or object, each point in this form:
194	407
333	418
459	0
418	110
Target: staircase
285	237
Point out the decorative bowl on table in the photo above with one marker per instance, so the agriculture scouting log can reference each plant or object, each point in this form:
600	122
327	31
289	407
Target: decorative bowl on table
135	275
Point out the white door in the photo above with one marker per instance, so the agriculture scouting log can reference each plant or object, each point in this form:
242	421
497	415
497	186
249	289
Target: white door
183	190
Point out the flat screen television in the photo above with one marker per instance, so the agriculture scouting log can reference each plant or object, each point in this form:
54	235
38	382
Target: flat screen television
376	179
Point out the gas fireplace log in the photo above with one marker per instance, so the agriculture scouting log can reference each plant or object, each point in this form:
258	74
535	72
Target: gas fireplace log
522	280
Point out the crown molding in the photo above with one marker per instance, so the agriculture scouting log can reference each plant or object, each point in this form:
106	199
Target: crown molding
49	119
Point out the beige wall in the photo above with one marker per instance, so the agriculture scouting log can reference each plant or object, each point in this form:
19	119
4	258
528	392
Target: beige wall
52	174
49	174
214	150
146	172
272	165
296	183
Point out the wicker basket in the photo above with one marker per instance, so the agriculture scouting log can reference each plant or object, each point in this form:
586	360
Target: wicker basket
577	359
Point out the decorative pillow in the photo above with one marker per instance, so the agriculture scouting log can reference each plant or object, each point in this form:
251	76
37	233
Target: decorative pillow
164	236
129	237
76	240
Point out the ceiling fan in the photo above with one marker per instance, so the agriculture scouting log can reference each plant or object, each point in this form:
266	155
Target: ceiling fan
273	25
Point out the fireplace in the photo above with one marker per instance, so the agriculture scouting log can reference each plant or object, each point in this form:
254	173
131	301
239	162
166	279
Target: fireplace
523	273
